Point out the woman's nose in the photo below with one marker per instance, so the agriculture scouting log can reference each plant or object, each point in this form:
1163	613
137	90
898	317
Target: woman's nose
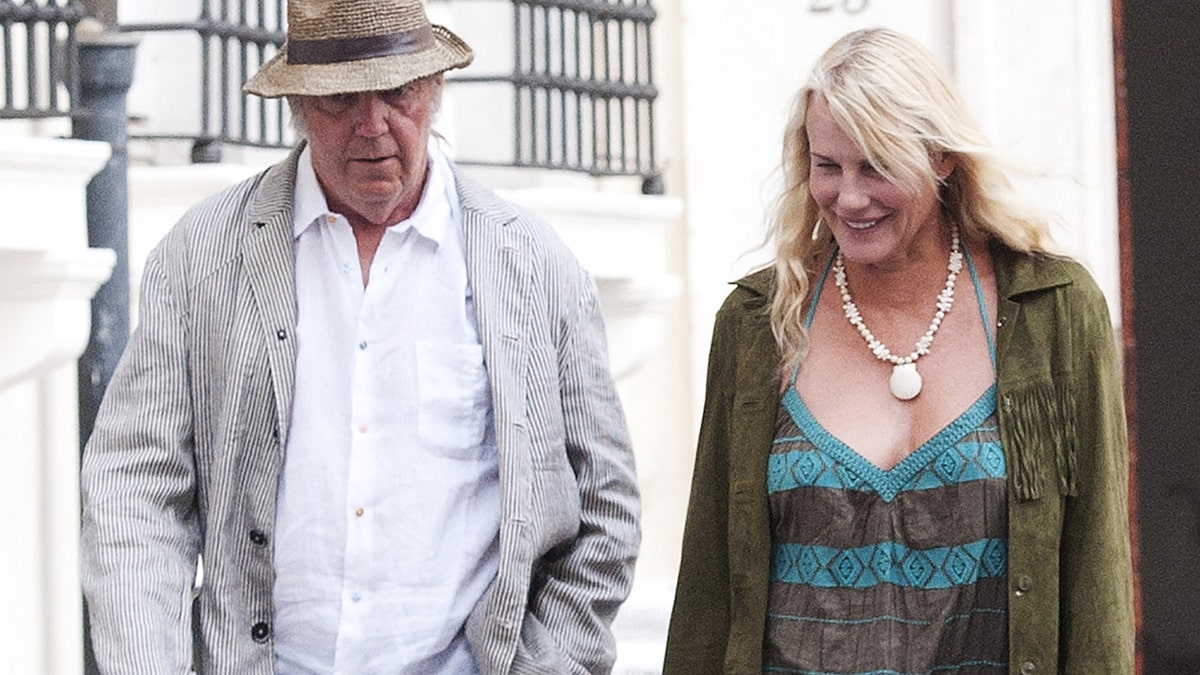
851	194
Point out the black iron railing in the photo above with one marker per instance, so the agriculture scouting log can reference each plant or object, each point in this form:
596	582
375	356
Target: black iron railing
37	52
236	37
582	86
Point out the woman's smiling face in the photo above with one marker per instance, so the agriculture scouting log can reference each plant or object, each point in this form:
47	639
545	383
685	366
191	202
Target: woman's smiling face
875	221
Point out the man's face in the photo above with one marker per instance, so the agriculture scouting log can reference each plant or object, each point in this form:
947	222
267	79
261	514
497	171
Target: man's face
369	149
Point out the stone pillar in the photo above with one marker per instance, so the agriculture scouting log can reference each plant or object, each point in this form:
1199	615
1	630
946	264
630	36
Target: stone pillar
47	277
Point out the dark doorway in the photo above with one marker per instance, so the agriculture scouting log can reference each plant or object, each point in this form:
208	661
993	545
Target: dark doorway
1161	225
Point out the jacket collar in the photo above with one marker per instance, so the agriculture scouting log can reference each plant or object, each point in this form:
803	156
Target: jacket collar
761	282
1017	274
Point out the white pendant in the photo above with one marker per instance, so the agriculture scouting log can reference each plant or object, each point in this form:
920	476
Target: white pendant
906	381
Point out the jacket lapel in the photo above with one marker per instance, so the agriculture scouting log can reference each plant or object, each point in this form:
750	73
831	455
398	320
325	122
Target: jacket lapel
1018	275
752	431
269	263
499	274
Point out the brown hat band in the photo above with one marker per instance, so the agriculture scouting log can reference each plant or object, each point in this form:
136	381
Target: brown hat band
336	50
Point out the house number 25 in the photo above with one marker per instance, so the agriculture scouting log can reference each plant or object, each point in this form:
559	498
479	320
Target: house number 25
847	6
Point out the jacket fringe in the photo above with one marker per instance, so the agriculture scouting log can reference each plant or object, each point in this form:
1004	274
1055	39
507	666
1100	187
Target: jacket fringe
1040	418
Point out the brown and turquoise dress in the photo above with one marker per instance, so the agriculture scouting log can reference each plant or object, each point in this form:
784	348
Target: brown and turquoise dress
899	572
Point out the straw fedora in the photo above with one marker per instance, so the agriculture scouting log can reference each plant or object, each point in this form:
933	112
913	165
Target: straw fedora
343	46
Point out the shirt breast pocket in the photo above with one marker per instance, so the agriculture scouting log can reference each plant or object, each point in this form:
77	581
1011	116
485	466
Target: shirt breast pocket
454	402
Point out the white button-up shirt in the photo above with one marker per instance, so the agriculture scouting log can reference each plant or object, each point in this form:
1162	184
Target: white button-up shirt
389	503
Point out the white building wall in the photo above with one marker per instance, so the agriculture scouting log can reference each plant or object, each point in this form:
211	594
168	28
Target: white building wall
1039	78
47	278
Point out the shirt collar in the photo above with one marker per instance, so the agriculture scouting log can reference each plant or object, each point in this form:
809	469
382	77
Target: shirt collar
438	207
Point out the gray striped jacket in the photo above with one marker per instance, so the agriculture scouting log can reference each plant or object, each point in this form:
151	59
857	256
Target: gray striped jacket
186	452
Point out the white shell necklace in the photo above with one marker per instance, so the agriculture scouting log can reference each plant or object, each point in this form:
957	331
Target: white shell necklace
905	382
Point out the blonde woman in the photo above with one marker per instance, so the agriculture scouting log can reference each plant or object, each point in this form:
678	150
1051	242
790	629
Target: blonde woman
913	451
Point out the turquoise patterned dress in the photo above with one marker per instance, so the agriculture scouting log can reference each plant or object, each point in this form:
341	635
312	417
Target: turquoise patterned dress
898	572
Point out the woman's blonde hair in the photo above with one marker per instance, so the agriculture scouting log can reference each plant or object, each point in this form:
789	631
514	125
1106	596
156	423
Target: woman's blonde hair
887	92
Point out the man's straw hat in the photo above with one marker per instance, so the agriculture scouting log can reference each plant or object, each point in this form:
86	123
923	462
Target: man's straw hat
343	46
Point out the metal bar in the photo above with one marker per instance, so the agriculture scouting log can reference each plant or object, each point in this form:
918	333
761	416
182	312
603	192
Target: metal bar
31	113
280	111
598	9
223	41
32	12
534	92
214	28
637	104
547	95
205	70
534	152
279	26
585	86
53	63
248	142
578	96
622	131
518	57
607	101
31	66
595	100
8	59
562	94
243	54
260	50
73	65
484	162
650	79
262	102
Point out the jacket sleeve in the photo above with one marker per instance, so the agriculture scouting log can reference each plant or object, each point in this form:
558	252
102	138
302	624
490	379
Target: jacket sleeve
580	584
700	619
1096	580
140	529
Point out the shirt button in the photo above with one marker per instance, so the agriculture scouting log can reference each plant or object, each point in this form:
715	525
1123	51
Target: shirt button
362	345
258	537
362	428
345	268
356	597
260	631
1027	668
358	512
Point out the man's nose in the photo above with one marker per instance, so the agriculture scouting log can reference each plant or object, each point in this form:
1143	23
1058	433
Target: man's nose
370	113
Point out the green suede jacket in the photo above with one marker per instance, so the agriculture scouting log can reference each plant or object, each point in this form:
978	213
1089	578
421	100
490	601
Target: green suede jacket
1062	425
